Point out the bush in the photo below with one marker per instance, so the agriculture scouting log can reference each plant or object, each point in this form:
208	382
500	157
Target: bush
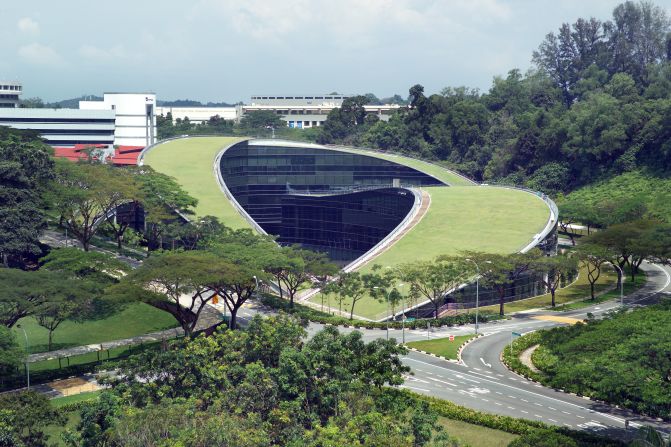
310	314
543	438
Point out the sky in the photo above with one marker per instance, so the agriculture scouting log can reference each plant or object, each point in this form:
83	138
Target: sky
228	50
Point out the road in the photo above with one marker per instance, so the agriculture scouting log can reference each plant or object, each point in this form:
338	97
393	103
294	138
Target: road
483	383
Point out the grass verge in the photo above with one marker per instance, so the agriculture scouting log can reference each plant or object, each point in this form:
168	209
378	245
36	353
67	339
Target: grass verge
135	319
577	290
442	347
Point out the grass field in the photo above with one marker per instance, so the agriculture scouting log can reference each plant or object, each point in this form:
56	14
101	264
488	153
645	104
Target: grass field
578	290
136	319
475	435
441	346
190	161
439	172
489	219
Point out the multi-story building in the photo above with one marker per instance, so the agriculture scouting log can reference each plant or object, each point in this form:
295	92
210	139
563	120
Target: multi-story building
308	111
135	116
64	127
9	94
198	114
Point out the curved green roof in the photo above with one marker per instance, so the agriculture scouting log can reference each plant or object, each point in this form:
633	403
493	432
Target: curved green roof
464	216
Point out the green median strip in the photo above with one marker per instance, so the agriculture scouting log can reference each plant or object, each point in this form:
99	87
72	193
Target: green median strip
442	347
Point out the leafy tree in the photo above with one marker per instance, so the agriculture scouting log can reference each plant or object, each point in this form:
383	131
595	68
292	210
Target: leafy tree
11	354
647	436
165	201
351	286
180	283
30	413
593	257
433	280
261	120
75	192
26	169
25	293
92	265
554	270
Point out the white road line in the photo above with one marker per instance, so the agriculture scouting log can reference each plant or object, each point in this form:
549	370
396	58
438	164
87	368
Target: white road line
614	418
511	408
524	400
552	420
499	404
536	403
538	416
565	412
553	409
414	388
525	412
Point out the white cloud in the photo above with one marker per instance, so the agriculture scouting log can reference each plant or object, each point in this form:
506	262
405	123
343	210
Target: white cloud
102	55
350	22
39	54
28	26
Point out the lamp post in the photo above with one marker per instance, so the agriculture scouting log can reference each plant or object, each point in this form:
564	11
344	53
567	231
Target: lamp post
477	292
621	283
27	354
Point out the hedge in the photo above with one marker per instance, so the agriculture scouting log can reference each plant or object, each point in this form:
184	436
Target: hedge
315	316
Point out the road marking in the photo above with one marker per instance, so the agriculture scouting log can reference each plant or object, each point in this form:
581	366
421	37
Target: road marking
538	416
484	400
581	417
414	388
522	390
511	408
498	392
565	412
441	381
556	319
525	412
498	403
512	397
488	365
524	400
553	409
536	403
552	420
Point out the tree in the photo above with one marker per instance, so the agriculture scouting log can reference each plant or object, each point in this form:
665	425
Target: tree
647	436
92	265
180	283
554	270
75	192
262	120
165	201
433	280
25	293
351	286
72	300
30	413
593	257
121	187
296	266
26	168
11	354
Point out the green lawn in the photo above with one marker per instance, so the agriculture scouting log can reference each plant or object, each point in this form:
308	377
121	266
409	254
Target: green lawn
578	290
190	161
482	218
441	346
136	319
475	435
81	397
442	174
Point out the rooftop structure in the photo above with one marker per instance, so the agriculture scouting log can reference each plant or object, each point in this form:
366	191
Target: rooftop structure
198	114
9	94
135	116
346	201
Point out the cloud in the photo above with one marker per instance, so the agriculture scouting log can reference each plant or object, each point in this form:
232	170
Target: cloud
102	55
38	54
28	26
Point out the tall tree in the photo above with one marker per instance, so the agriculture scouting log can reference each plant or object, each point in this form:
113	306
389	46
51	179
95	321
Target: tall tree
433	280
26	168
553	270
593	257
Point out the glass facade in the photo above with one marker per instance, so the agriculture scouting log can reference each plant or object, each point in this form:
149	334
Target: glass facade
327	200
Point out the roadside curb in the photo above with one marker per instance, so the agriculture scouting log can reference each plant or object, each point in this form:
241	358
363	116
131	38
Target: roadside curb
463	346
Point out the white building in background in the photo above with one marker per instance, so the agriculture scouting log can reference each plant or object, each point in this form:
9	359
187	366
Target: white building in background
63	127
9	94
135	116
308	111
198	114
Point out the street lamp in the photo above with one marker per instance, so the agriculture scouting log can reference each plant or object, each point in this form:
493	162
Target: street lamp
27	354
621	283
477	292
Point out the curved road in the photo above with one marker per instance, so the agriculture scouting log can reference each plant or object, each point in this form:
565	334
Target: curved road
483	383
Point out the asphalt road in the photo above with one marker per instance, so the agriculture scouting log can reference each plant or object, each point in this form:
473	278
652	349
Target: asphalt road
483	383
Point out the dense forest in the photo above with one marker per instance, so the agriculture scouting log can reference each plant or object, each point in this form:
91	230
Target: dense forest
596	104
